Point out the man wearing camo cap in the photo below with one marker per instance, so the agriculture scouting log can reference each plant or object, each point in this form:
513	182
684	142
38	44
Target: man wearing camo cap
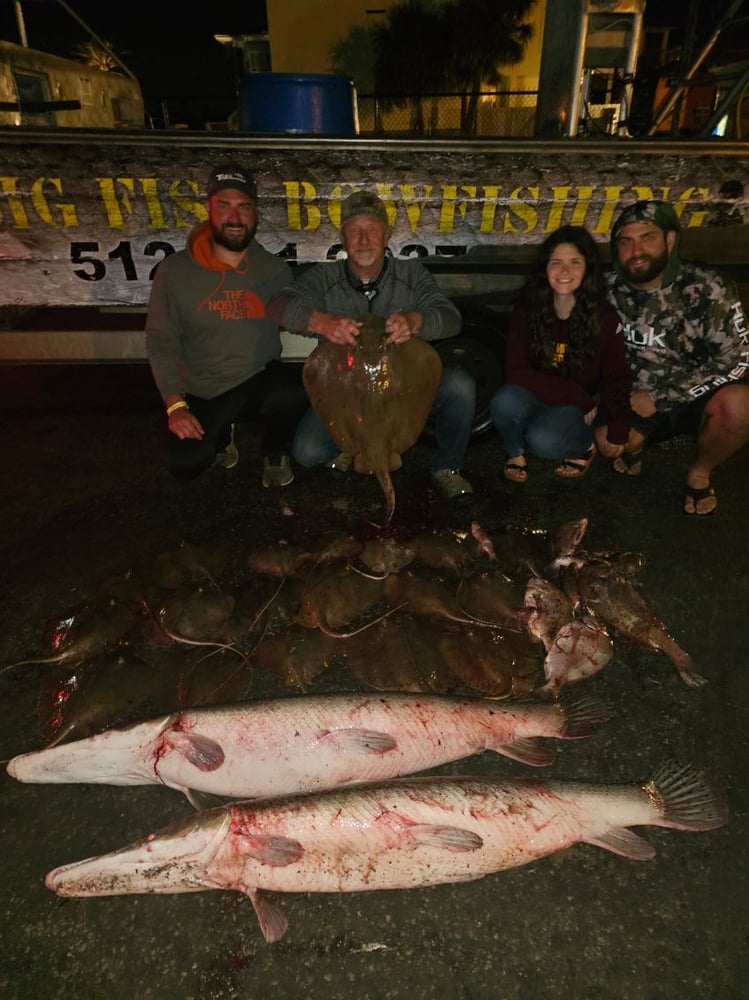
688	347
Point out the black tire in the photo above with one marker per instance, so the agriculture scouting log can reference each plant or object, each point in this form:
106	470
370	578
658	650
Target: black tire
478	350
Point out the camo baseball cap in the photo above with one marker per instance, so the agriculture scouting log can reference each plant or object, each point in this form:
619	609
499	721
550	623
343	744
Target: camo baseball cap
658	212
364	203
231	175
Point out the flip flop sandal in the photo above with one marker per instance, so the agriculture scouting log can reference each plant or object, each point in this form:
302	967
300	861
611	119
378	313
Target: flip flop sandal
575	468
516	473
695	496
628	463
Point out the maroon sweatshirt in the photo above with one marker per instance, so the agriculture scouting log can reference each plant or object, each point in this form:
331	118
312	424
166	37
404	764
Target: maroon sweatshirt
606	375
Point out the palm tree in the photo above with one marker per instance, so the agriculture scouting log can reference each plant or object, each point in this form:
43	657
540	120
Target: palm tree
92	55
353	56
485	35
428	47
410	53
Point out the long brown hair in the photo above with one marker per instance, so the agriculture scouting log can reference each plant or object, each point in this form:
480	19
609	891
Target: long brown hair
584	320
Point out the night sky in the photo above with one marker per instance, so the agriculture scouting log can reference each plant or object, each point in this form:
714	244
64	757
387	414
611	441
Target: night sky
162	42
168	46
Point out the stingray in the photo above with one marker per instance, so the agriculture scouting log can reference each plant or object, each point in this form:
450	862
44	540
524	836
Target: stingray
374	398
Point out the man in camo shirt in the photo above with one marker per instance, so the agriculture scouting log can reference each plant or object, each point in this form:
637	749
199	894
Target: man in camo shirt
688	346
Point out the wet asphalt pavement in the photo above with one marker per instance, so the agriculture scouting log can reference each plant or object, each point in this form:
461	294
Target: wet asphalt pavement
84	499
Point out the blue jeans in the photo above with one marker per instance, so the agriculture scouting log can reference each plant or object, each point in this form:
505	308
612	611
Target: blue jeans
526	423
452	415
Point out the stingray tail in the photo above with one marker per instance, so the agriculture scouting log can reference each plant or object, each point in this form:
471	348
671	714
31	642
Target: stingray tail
387	488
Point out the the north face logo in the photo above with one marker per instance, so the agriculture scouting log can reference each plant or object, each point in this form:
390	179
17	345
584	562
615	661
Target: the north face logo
241	304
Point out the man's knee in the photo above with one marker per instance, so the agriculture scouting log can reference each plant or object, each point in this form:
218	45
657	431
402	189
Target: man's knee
729	407
305	453
457	386
309	450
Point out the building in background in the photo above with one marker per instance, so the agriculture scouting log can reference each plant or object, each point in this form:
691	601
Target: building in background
504	108
322	25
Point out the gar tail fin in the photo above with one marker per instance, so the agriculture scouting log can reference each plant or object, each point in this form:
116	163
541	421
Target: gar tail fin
685	800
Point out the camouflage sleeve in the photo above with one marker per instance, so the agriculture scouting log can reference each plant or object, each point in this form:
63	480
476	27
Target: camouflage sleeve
722	354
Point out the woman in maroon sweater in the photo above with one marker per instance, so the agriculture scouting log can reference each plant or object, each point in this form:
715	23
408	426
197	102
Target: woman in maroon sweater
567	381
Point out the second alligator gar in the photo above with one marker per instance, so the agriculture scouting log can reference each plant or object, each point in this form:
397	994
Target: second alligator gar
405	834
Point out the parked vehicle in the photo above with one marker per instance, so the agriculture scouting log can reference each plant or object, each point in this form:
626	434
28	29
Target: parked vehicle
40	89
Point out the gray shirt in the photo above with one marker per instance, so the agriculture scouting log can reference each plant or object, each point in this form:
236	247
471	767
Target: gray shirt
404	286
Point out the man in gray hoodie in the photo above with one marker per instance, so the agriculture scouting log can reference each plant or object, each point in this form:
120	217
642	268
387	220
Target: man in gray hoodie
688	346
214	351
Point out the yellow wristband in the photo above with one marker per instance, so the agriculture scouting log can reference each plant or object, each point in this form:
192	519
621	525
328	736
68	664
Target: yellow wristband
179	405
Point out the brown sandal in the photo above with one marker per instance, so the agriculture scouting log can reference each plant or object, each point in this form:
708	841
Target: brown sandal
575	468
629	463
516	472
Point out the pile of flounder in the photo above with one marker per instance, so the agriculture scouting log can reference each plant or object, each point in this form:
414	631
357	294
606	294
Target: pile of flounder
521	611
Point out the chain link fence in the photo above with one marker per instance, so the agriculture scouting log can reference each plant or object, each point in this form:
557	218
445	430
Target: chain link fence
487	114
505	114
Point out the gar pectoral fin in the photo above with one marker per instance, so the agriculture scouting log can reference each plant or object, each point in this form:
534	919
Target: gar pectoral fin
277	852
621	841
366	741
446	838
201	751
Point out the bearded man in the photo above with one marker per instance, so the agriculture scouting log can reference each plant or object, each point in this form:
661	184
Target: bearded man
214	352
688	347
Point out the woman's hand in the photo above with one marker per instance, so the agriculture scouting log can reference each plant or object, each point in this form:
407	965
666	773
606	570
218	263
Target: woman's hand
609	450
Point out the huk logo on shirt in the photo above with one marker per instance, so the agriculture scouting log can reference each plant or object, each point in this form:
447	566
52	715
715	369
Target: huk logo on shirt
645	338
239	304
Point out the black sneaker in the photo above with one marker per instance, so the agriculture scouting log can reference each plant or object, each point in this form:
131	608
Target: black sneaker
277	475
229	457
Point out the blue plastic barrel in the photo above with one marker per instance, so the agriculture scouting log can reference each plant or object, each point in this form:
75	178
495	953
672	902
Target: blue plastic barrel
298	103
